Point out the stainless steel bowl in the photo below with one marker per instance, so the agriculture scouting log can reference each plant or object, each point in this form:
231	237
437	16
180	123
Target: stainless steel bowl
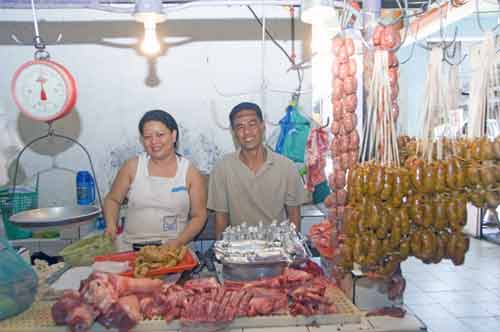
252	271
55	216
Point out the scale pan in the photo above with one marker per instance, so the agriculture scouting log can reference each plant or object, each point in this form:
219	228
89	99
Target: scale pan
54	216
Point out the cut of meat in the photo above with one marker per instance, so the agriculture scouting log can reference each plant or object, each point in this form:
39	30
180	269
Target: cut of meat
99	291
126	286
81	318
202	285
67	302
123	315
71	310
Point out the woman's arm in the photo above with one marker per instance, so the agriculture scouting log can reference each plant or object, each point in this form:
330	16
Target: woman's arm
115	197
198	199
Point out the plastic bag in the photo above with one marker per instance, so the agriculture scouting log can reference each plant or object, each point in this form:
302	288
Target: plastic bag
82	253
293	135
18	282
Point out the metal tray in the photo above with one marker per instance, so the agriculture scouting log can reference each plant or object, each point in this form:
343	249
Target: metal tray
252	271
55	216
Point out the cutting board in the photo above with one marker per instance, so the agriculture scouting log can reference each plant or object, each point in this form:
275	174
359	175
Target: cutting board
38	318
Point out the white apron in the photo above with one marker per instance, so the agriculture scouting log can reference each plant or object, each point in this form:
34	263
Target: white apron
158	207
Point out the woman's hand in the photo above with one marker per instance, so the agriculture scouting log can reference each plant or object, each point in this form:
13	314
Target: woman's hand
175	243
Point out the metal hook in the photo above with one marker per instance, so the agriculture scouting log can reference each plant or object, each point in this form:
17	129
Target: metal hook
327	123
478	20
445	58
413	46
216	119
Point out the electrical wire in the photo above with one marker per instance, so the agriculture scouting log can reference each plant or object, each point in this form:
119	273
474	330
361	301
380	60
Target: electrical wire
299	74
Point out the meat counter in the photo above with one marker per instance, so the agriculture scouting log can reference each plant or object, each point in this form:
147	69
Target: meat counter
204	296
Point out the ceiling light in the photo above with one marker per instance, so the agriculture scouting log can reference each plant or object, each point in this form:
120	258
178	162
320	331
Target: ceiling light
150	13
318	12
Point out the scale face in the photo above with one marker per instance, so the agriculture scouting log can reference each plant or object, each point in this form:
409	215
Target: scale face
44	90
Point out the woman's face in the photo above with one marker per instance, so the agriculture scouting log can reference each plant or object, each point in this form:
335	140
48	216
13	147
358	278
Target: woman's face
158	140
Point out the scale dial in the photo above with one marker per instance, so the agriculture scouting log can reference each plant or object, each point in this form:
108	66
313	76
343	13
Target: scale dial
44	90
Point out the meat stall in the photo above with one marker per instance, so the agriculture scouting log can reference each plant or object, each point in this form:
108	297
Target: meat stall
295	293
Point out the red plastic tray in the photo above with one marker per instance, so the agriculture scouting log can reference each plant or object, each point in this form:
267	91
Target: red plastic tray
188	263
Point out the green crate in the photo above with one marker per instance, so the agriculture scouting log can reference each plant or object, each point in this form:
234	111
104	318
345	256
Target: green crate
11	203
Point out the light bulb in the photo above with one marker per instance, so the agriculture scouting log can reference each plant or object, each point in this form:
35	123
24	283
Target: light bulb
150	45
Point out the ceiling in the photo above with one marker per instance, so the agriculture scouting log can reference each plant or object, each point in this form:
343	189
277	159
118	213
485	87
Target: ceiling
92	3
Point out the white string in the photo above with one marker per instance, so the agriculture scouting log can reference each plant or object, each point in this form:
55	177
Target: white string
263	58
435	109
379	134
479	86
35	20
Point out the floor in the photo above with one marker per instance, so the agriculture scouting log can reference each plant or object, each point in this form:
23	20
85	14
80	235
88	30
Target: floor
457	298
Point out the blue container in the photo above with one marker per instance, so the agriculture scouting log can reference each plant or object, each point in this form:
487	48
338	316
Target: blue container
85	188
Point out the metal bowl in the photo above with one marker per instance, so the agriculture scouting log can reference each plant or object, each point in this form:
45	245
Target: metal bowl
55	216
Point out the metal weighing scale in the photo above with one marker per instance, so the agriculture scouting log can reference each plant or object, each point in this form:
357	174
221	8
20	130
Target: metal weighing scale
45	91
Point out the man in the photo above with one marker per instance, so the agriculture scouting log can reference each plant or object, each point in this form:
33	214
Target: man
253	184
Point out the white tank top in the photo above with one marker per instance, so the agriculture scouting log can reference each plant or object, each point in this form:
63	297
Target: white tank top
158	207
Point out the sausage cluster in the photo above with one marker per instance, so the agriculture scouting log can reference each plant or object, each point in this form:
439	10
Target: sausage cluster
387	38
389	218
344	146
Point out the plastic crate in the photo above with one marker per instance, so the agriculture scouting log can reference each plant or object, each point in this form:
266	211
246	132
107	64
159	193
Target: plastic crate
11	203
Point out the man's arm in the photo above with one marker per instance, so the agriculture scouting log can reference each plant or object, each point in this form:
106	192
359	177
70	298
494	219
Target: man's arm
221	222
293	213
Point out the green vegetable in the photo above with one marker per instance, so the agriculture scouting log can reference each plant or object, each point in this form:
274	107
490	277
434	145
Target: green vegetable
47	234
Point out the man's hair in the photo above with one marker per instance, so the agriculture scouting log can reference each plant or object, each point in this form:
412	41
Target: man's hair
245	106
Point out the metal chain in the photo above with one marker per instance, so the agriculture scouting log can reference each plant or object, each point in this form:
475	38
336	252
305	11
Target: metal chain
38	43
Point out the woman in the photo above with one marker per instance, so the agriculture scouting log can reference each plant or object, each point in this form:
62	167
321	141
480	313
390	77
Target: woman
166	194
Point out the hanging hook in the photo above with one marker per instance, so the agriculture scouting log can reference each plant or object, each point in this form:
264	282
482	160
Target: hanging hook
413	46
445	59
478	20
447	56
327	123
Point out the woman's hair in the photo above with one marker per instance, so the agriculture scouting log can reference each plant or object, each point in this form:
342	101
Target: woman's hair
163	117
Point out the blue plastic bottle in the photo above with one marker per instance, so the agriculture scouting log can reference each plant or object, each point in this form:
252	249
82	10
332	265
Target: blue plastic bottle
85	190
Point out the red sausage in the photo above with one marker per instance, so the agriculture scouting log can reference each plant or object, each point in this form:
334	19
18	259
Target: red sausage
349	46
350	85
350	103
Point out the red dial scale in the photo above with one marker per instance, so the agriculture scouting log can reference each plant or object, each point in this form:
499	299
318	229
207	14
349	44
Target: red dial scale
44	90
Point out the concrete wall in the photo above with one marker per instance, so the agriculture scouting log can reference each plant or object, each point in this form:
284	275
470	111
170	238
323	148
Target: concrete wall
213	59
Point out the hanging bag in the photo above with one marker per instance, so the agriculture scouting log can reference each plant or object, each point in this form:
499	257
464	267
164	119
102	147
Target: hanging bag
293	135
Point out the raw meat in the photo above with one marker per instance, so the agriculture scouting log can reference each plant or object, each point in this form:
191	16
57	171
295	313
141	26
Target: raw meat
123	315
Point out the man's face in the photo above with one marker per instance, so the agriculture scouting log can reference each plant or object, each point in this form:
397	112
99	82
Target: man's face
248	129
